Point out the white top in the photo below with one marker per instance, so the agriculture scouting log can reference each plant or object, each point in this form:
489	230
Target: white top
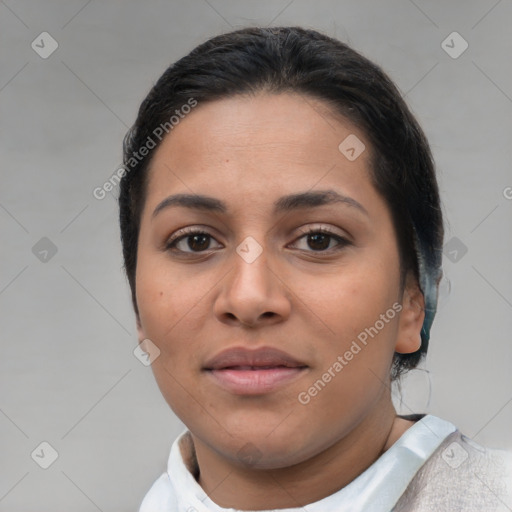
380	487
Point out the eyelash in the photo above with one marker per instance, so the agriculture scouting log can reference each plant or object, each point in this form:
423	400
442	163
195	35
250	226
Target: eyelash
187	232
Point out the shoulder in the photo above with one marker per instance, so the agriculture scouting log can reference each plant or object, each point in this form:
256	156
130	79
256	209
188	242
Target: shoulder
461	475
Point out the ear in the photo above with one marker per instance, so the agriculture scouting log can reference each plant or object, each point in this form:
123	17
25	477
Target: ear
411	317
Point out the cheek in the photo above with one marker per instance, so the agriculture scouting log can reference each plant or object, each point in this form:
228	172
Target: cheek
172	316
348	301
348	306
171	310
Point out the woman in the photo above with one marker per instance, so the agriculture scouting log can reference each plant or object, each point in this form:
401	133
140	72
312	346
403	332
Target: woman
282	236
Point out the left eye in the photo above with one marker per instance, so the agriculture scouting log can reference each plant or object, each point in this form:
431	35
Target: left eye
320	240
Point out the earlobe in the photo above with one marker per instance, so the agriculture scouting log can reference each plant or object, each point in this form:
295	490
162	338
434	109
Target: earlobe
411	318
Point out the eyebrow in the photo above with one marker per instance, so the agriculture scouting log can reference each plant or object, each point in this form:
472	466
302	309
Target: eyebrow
283	204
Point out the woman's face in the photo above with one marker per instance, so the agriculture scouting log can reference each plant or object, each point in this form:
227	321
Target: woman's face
314	320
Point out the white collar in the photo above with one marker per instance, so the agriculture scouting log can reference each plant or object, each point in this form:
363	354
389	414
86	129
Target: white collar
377	489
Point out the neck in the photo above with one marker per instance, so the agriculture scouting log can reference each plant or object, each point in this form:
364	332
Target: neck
231	486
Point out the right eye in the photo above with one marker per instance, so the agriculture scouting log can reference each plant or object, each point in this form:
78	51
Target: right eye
190	240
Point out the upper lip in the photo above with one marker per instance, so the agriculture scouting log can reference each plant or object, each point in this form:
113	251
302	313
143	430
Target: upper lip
261	357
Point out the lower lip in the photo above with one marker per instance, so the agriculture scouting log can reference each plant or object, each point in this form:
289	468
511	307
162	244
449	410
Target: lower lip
255	382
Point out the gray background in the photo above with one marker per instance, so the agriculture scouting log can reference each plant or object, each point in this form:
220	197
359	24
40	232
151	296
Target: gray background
68	375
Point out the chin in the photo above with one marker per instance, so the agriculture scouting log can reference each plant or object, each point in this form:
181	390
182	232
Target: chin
262	448
265	454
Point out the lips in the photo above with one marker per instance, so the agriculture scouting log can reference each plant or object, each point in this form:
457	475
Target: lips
259	359
253	372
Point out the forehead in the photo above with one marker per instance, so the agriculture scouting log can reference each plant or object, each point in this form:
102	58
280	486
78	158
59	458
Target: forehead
256	148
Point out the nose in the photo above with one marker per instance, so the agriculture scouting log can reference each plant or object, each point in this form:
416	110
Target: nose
253	293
